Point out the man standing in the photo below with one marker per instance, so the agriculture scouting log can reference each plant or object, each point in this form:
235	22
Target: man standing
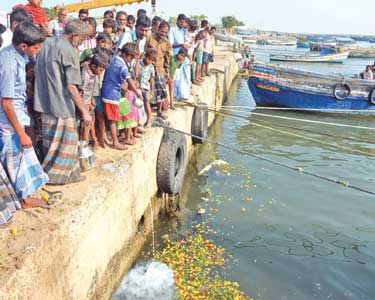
159	42
57	26
83	14
21	174
56	96
121	18
177	34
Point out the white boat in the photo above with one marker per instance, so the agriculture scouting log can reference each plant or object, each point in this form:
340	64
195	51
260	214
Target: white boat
328	58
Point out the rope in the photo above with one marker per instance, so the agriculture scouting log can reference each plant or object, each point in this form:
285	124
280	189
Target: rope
301	109
301	170
284	132
315	132
296	135
314	122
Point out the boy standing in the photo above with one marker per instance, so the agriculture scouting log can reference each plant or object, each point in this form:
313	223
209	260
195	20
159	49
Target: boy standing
116	74
91	72
34	7
17	156
146	80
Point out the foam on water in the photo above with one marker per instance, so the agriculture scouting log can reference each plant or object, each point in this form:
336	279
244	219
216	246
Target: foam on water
147	281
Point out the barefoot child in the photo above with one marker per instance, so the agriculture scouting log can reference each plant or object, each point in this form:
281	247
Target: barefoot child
20	171
175	63
90	73
146	80
114	77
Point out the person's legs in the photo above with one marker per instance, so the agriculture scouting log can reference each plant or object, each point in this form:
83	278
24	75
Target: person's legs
115	142
103	140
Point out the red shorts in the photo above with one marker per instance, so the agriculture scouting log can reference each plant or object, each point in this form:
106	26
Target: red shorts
111	111
169	81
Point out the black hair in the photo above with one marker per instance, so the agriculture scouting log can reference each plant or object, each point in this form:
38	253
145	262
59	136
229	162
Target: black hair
119	13
151	53
204	23
156	19
164	24
28	33
212	28
103	37
181	17
103	51
129	49
141	12
130	18
91	21
109	23
108	12
83	11
183	51
144	21
20	15
100	60
193	24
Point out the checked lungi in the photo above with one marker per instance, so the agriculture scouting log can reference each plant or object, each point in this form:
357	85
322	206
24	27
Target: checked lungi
60	149
21	174
160	90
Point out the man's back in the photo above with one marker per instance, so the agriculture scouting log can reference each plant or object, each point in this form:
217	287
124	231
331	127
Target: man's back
57	66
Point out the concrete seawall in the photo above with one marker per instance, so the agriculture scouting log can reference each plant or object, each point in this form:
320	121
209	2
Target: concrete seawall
80	248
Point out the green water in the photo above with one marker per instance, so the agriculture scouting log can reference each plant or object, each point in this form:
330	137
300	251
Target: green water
294	236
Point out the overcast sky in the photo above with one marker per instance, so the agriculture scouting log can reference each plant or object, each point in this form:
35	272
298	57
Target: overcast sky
316	16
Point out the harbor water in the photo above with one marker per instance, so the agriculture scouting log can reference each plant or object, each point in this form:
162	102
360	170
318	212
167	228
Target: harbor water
291	236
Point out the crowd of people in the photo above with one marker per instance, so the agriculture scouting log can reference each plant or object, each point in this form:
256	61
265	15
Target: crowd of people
68	81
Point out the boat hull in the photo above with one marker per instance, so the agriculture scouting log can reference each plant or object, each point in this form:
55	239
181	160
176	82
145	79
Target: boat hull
269	93
333	58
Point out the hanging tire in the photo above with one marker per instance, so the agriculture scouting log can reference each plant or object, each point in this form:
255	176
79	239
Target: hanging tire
172	161
371	96
199	124
339	87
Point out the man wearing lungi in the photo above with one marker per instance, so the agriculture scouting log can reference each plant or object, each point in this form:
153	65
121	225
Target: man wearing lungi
21	174
57	75
160	43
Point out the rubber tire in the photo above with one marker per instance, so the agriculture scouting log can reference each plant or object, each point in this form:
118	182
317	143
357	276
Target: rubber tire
199	124
171	163
346	86
371	96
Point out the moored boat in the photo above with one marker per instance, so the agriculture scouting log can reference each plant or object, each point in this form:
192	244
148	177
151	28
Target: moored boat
317	58
279	86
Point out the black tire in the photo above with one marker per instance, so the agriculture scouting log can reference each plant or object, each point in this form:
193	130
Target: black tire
172	161
371	96
199	124
341	86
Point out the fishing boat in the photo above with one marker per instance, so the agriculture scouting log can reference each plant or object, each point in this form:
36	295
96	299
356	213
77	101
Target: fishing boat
243	30
362	53
312	58
278	86
303	44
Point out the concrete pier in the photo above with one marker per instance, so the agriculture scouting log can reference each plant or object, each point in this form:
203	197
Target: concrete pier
79	248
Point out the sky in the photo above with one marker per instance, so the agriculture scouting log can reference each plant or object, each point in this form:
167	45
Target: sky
307	16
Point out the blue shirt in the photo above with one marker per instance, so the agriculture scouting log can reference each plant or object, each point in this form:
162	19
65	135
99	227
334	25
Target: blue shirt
114	76
176	36
13	86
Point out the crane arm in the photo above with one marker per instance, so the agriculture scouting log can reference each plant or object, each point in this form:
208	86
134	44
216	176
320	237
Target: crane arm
91	4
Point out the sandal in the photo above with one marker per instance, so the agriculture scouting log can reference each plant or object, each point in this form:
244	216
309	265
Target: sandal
32	202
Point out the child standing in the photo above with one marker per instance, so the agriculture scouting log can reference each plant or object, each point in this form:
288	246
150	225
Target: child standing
146	81
198	55
190	35
175	63
114	78
90	72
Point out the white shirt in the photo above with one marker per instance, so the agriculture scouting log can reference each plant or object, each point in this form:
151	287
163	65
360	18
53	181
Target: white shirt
7	38
56	28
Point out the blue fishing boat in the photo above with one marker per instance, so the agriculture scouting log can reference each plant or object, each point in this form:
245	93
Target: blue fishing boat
280	86
303	44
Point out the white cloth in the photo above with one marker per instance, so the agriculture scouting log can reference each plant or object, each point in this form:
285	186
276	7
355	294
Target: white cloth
7	38
56	28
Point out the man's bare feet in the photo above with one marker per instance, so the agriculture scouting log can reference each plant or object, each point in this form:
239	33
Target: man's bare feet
130	142
171	106
119	146
32	202
148	125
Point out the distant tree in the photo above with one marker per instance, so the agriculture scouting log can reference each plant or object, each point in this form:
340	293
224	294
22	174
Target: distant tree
172	20
50	12
198	18
230	21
